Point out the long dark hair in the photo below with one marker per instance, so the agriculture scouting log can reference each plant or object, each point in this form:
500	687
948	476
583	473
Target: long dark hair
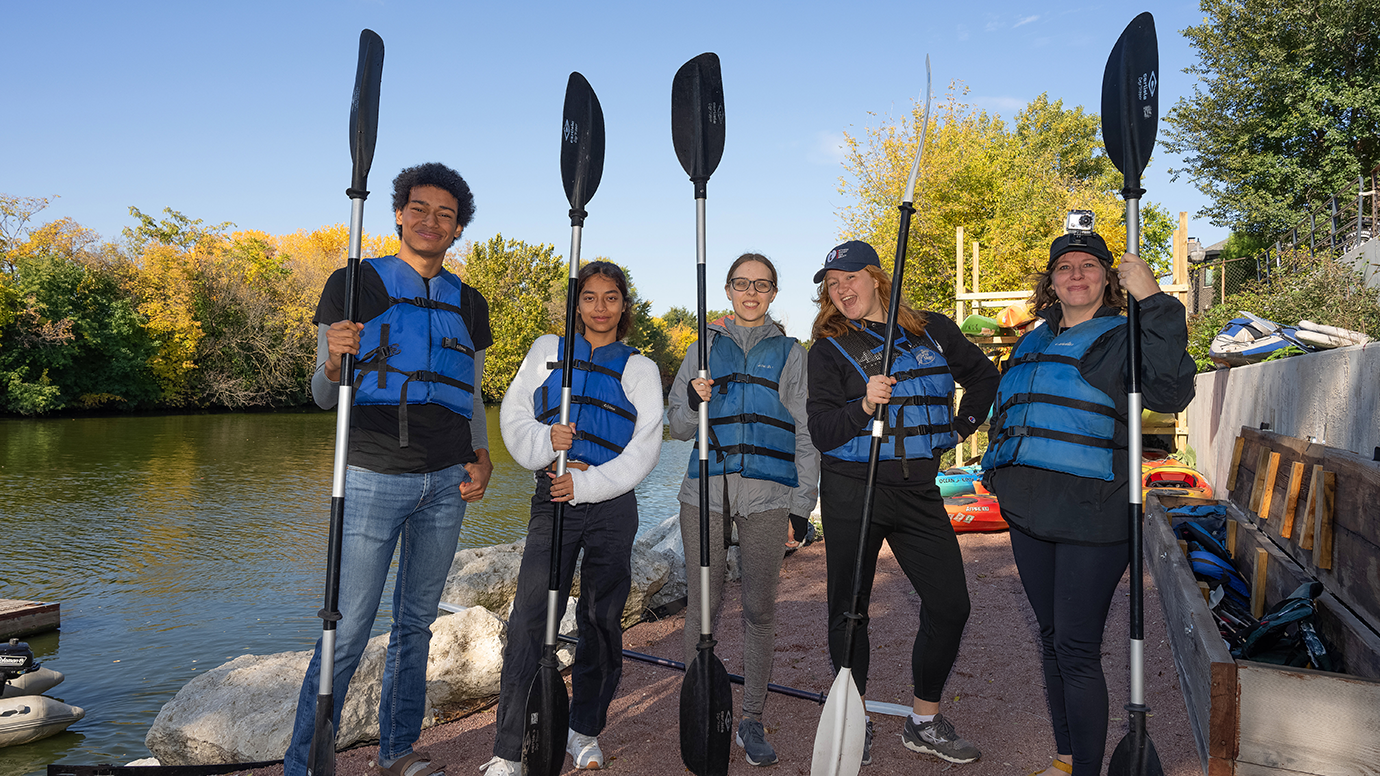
615	273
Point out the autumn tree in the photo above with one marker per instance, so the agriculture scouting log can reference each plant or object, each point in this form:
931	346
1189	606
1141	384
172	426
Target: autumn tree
1008	186
1285	110
517	280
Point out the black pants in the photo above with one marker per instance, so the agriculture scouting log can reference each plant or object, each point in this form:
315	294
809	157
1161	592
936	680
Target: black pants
605	530
913	522
1070	587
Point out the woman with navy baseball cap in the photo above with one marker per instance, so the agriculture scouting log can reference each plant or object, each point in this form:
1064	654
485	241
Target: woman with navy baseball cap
846	386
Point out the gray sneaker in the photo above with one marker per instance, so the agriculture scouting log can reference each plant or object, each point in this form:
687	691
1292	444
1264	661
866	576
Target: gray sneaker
867	744
938	738
753	738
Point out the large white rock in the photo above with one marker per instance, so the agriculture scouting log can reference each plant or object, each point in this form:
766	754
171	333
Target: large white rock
243	711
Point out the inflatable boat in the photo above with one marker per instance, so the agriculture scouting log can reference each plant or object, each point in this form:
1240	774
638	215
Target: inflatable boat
27	718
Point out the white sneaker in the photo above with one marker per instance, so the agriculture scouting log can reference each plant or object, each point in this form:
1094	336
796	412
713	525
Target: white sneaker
585	751
501	767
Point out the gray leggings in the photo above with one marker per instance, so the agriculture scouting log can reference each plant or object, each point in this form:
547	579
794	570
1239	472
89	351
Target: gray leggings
762	544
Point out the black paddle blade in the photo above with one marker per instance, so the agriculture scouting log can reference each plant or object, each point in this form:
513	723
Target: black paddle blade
364	107
547	720
706	716
1131	99
321	756
582	142
697	117
1135	755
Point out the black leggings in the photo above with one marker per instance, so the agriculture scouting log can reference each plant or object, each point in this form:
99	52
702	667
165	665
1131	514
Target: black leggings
1070	587
914	523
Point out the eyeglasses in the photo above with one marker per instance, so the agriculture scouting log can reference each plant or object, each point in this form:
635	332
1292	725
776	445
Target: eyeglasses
763	286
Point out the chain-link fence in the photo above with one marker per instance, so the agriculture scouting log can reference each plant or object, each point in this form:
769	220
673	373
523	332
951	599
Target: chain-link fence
1211	282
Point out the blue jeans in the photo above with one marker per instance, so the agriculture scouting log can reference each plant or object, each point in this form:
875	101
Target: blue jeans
425	510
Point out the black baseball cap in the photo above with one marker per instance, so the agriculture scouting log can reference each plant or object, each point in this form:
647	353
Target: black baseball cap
849	257
1090	243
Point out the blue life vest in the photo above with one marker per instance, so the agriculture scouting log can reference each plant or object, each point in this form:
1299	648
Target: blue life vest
1046	415
603	416
750	431
920	413
418	351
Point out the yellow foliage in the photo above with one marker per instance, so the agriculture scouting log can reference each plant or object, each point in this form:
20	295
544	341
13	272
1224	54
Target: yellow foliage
164	293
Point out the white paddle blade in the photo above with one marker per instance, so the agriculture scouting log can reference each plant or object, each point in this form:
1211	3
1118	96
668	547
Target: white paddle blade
842	730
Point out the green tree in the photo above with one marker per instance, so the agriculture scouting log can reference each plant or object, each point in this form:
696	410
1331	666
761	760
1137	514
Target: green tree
1287	110
1008	186
73	339
517	281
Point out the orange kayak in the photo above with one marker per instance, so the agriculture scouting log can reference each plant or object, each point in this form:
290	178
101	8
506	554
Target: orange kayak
1175	481
974	513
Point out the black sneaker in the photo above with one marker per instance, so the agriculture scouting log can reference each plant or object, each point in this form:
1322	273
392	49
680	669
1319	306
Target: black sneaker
938	737
867	744
753	738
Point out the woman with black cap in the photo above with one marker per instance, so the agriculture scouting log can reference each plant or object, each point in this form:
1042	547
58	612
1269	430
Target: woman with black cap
1057	461
846	386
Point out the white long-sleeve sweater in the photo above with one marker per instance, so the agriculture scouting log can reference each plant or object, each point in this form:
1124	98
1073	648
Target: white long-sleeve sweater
529	440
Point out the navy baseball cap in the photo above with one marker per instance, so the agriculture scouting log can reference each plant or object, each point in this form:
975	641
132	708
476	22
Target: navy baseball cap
849	257
1090	243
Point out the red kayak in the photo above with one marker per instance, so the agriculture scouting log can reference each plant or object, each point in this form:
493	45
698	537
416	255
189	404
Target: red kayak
974	513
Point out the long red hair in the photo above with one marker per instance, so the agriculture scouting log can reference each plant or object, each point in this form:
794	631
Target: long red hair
830	322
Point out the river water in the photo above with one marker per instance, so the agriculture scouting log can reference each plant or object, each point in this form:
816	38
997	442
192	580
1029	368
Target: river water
176	543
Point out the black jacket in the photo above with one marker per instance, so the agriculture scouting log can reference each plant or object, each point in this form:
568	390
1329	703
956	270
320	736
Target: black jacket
1061	507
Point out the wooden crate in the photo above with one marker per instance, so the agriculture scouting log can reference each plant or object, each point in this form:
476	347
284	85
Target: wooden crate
1255	719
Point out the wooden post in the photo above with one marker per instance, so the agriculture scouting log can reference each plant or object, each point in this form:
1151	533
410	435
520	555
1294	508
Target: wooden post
1258	487
976	261
1322	542
1291	504
1222	269
958	274
1262	563
1306	534
1269	491
1183	547
1206	591
1231	537
1235	461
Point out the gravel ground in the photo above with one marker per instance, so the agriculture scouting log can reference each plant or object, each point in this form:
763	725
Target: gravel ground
995	695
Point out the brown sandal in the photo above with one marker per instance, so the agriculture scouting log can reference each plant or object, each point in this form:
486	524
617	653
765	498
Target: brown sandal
400	766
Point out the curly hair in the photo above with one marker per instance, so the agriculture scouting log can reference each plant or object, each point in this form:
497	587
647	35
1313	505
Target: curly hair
830	322
1112	296
440	176
615	273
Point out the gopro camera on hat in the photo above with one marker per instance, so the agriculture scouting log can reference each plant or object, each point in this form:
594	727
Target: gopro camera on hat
1079	236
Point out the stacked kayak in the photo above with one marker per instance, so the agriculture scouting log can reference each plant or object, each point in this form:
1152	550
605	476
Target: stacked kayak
1175	480
970	506
1249	339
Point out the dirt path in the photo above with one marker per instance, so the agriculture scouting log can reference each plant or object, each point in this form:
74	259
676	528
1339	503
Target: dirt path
995	695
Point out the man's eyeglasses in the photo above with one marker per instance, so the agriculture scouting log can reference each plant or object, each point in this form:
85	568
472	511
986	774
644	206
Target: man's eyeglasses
763	286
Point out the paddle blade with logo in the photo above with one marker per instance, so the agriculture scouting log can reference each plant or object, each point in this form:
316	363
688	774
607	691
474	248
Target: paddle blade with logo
706	714
582	142
1131	99
697	117
841	736
546	720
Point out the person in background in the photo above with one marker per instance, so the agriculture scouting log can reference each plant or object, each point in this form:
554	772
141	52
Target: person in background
846	386
763	471
1057	462
613	441
418	452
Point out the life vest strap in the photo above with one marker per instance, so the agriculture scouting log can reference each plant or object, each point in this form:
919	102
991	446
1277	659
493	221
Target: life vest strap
593	402
587	366
739	377
922	372
1062	401
451	343
752	417
1048	433
752	450
1038	357
588	437
429	304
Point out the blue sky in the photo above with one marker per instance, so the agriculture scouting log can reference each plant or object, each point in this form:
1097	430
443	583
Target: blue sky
239	111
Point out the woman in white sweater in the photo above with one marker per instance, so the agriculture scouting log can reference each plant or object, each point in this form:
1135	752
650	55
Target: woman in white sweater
613	442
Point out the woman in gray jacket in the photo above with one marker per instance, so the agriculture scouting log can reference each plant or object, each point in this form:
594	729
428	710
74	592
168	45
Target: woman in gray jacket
763	470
